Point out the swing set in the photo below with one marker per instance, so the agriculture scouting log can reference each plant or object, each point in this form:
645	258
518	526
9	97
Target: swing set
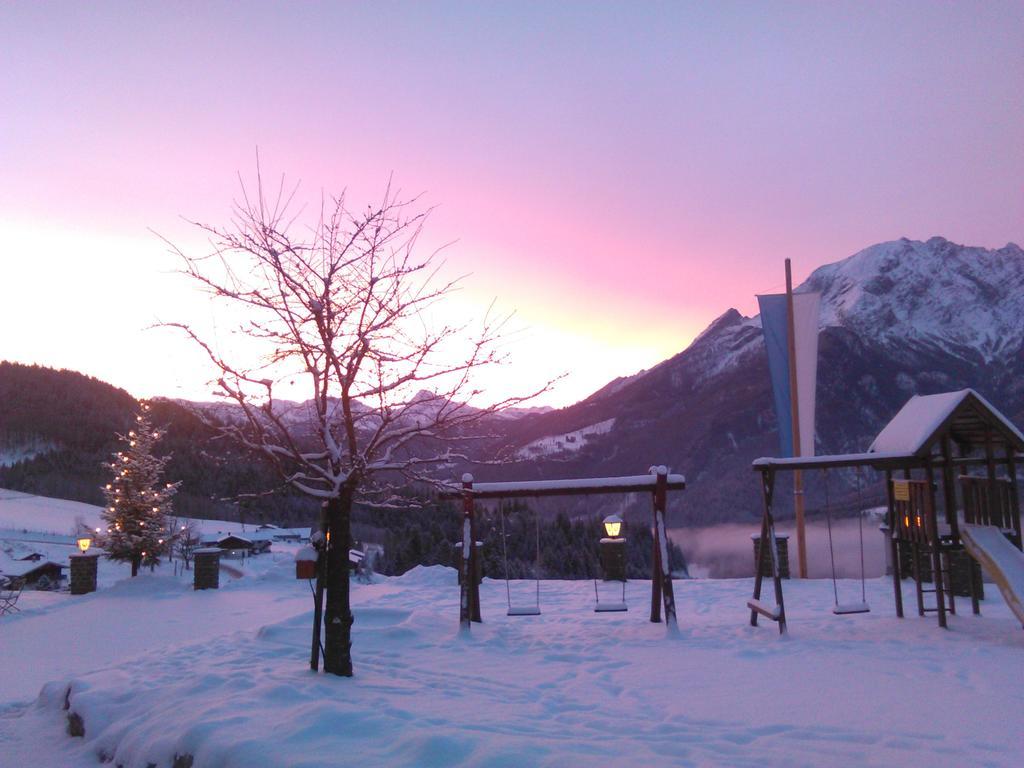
928	443
658	482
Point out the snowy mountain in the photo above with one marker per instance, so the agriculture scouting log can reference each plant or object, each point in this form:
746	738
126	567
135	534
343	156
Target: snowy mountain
897	318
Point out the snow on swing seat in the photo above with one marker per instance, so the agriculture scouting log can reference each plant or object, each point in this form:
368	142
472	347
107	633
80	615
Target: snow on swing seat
841	609
610	608
524	610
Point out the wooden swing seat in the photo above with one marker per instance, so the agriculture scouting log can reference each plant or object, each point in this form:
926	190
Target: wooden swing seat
610	608
842	609
525	610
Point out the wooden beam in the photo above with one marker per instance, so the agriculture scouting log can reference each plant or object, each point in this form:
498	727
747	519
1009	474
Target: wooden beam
1011	471
794	412
894	546
587	486
663	568
932	526
468	547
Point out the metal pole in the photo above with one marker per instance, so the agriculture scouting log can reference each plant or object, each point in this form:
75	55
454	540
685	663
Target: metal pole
798	479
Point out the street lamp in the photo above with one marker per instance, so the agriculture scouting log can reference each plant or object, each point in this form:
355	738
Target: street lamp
84	543
613	549
612	526
613	562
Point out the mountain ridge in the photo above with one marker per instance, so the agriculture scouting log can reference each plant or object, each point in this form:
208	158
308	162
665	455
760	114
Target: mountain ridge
898	318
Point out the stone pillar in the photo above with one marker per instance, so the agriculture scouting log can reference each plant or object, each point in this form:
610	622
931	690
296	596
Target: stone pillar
83	573
613	559
207	568
781	549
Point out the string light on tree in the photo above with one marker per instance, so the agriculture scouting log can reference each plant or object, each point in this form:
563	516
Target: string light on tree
137	500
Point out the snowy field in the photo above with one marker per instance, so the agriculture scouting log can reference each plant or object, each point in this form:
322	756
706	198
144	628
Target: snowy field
155	670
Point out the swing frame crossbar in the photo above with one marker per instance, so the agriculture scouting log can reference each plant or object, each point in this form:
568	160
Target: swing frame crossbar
658	482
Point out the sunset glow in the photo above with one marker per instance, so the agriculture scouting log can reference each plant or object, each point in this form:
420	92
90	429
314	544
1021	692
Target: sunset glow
617	176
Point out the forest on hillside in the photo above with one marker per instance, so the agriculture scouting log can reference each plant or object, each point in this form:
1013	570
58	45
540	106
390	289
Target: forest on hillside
569	548
78	417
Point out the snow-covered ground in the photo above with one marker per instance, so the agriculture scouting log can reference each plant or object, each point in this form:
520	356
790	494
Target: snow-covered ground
154	670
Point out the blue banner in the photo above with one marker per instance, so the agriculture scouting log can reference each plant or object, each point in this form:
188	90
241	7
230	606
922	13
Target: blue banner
774	324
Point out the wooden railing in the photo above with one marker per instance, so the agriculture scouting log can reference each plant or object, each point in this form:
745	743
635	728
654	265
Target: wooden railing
915	515
991	503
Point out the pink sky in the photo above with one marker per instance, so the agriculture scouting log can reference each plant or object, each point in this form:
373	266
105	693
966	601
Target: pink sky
618	174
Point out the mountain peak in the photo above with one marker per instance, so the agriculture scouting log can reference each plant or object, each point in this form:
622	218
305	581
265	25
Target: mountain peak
935	293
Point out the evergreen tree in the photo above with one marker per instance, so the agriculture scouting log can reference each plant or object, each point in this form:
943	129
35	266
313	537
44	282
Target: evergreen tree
136	501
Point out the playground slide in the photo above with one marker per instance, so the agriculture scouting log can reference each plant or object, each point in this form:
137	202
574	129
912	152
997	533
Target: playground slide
1000	559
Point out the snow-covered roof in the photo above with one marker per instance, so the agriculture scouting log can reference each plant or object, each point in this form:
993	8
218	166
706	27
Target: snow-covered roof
910	437
234	537
18	568
830	462
914	429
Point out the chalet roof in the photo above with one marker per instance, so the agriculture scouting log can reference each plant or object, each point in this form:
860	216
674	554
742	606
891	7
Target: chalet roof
19	568
964	414
233	537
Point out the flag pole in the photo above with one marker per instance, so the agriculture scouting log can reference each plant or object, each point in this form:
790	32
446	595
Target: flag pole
798	479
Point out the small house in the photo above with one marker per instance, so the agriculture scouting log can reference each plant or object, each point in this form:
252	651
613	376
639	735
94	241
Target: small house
37	573
234	545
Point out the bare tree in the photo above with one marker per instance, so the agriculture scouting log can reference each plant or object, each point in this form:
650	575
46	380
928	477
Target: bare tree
344	307
184	538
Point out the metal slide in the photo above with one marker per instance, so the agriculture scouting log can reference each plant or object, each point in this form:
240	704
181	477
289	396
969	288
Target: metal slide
1001	560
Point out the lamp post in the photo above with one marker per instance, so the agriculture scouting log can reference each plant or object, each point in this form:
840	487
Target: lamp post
613	549
83	567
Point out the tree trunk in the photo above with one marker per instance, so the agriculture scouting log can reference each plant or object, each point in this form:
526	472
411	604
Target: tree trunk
338	612
136	562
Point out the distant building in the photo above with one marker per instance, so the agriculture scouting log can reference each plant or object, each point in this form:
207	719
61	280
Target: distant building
36	571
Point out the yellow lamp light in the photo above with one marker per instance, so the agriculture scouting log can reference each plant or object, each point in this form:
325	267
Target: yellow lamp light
84	543
613	526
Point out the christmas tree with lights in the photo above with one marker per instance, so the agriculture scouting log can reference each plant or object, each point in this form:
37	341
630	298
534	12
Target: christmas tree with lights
137	500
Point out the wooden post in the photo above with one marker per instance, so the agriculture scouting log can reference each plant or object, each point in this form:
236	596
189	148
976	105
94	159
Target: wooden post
935	545
475	568
1011	474
949	489
798	477
656	583
466	607
663	575
768	540
894	546
990	467
318	595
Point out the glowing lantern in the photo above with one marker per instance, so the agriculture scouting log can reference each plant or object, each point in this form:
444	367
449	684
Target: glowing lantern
84	543
613	526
